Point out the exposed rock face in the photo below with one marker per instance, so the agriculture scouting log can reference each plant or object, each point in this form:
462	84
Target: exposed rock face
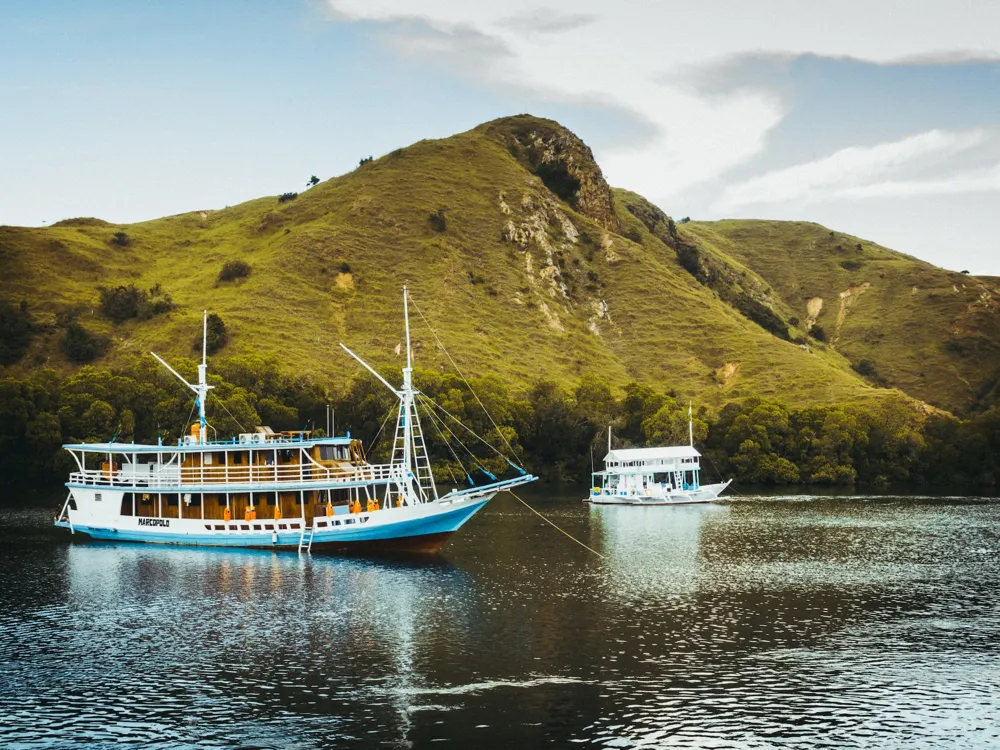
564	163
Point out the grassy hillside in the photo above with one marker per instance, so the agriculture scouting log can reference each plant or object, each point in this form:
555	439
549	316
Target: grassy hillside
932	333
517	280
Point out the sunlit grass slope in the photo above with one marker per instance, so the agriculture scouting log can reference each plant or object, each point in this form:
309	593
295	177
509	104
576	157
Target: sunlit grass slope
932	333
517	283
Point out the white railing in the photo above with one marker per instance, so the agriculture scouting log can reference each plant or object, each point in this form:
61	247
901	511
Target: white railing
240	476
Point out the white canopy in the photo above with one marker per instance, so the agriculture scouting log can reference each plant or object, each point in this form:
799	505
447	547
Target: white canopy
651	454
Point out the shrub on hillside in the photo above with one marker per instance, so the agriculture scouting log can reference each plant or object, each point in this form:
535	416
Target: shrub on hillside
234	269
314	180
120	303
688	256
365	160
121	239
216	336
851	265
16	331
762	315
344	267
817	332
634	235
81	346
866	368
437	220
285	197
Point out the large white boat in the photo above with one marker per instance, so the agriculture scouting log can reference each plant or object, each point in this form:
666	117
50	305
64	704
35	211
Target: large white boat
269	490
653	476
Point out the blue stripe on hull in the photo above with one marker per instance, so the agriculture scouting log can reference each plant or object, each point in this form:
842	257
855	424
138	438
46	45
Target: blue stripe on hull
440	523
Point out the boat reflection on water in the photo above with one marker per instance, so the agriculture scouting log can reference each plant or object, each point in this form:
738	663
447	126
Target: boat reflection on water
652	550
281	634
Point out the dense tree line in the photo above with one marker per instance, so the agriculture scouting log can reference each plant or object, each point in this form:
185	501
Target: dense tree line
548	430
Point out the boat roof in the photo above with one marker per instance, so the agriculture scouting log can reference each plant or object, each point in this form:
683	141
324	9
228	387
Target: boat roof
209	447
651	454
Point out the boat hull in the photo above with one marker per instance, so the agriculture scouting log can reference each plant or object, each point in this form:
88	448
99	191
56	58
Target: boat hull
709	493
421	529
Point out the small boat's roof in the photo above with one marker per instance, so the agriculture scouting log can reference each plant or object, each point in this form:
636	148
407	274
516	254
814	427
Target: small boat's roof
209	447
651	454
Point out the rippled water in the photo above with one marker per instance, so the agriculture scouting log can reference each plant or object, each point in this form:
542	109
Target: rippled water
765	622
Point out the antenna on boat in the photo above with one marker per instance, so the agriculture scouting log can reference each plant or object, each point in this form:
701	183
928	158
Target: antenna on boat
691	422
201	390
609	438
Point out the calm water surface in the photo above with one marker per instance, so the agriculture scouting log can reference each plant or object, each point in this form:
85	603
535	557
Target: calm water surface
765	622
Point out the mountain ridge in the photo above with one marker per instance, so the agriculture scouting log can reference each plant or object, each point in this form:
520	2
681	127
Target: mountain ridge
530	266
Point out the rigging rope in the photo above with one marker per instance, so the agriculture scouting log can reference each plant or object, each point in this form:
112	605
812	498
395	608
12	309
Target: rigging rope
379	433
465	380
590	549
223	405
471	454
448	446
470	431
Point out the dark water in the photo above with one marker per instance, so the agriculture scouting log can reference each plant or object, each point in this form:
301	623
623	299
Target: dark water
769	622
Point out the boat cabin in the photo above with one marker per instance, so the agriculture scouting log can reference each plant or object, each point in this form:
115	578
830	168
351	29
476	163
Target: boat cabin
649	471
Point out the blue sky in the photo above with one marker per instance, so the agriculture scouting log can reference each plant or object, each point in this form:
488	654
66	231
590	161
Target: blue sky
878	118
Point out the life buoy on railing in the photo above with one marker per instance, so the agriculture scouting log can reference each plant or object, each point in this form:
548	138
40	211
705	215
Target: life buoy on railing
329	509
246	514
371	505
227	515
399	500
277	512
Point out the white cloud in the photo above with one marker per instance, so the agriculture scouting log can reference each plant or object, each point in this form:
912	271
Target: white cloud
641	57
855	171
972	181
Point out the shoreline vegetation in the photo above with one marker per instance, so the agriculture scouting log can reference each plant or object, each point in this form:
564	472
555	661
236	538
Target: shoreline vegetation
553	431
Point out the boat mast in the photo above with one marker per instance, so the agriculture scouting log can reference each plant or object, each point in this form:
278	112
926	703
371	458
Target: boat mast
407	394
202	380
691	423
201	390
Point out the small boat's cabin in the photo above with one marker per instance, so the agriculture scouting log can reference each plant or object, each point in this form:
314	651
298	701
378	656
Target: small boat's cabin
649	471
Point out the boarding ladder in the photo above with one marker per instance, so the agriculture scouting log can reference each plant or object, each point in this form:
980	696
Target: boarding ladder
306	540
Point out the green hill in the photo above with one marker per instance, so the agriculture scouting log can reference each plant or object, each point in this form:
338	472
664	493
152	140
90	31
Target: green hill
530	267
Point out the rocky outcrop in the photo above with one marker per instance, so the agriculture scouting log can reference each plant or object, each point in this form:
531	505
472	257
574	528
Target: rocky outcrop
563	162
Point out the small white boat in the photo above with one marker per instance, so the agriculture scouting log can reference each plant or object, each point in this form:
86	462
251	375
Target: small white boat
290	491
653	476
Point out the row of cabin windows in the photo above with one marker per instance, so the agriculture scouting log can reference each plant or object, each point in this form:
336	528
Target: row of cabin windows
657	462
326	453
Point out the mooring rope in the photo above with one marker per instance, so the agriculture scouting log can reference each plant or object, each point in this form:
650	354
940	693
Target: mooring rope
556	527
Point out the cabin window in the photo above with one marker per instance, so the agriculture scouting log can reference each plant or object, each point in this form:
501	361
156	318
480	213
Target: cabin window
296	526
244	527
256	527
282	526
326	453
208	459
97	496
268	527
320	524
237	458
172	501
220	527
